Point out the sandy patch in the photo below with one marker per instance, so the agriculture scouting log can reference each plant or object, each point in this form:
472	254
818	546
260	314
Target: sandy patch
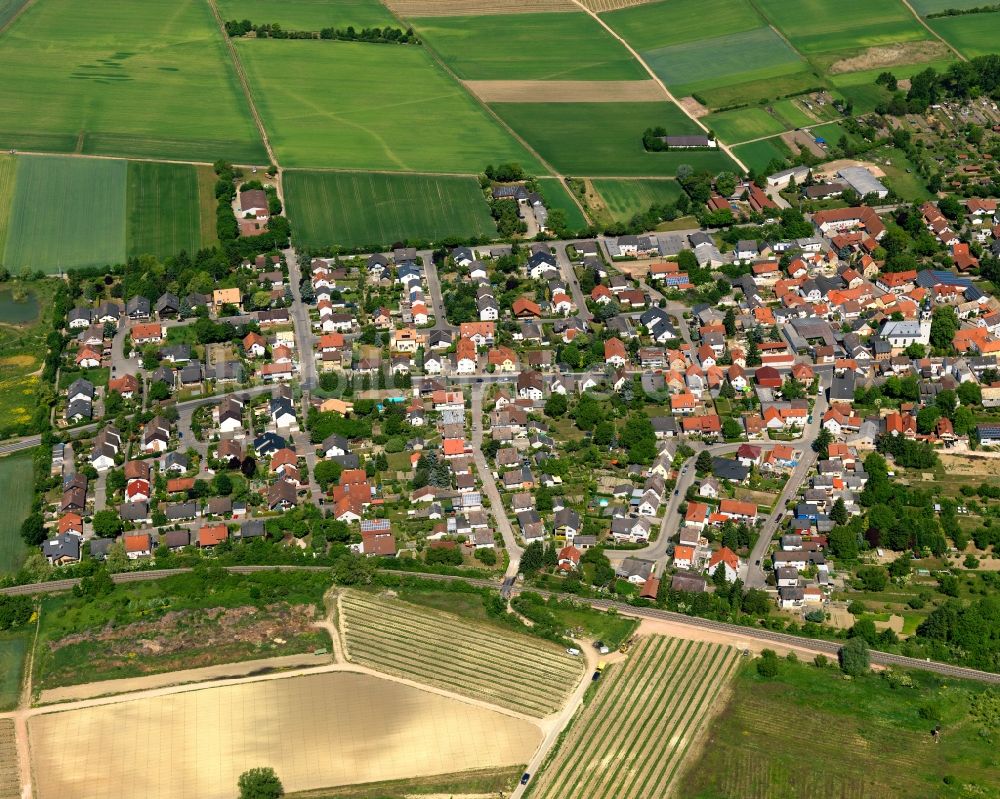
693	107
986	464
455	8
891	55
829	170
565	91
315	731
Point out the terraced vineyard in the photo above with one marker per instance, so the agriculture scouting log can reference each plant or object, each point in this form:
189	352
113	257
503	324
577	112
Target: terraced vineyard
487	663
630	741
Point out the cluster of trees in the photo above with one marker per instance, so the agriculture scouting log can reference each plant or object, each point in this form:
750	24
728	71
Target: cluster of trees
237	28
508	218
968	633
898	518
962	80
655	139
239	248
15	611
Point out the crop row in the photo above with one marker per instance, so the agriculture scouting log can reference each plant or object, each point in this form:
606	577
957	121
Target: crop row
551	662
424	646
10	787
532	650
635	734
624	681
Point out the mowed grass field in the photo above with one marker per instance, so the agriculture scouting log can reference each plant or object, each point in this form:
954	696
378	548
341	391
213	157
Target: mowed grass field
353	209
971	34
486	662
743	124
363	106
630	741
8	181
17	490
127	78
67	212
557	196
864	738
605	139
757	155
626	198
532	47
163	215
832	26
13	650
310	15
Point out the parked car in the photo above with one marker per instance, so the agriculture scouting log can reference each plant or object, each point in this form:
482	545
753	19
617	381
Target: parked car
525	777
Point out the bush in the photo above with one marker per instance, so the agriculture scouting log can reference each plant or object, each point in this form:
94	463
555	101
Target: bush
821	661
260	783
853	657
767	664
487	556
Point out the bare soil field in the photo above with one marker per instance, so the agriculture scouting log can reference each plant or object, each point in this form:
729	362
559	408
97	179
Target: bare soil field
461	8
986	464
315	731
891	55
10	783
185	639
693	107
799	138
565	91
601	6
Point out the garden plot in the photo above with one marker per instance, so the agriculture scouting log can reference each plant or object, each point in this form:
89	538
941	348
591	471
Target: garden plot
506	668
630	740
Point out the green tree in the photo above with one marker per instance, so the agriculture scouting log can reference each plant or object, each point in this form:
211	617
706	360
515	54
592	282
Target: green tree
222	483
731	429
767	663
927	418
556	406
327	472
260	783
838	512
873	578
532	559
853	657
944	325
107	523
33	530
704	462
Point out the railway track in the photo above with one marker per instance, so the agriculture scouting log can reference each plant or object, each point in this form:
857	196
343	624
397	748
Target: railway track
818	645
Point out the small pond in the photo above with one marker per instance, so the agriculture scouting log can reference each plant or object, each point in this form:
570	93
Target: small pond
18	311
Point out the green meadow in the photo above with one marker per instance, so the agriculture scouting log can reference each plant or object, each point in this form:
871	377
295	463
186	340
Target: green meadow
605	139
16	488
13	652
8	181
652	25
141	79
355	209
833	26
163	215
556	196
310	15
743	124
757	155
364	106
532	47
924	7
971	34
67	212
626	198
8	9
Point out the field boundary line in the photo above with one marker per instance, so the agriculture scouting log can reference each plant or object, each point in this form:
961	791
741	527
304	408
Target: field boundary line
931	30
245	84
670	97
16	17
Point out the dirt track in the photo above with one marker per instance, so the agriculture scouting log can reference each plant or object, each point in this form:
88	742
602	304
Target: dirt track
565	91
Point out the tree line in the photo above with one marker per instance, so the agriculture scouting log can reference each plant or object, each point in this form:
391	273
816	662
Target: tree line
272	30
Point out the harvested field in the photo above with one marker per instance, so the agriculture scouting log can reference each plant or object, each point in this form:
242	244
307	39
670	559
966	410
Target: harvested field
631	739
10	783
458	8
484	662
565	91
891	55
316	731
600	6
693	107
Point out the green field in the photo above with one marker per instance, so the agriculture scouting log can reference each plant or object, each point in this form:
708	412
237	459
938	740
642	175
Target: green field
310	15
792	114
532	47
736	58
605	139
8	8
163	215
653	25
16	488
353	209
68	212
140	79
865	738
742	124
758	154
557	196
13	650
924	7
971	34
363	106
832	26
207	205
626	198
8	182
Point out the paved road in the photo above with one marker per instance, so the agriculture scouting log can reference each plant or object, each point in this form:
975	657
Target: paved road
568	274
304	338
816	645
434	290
497	508
18	444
